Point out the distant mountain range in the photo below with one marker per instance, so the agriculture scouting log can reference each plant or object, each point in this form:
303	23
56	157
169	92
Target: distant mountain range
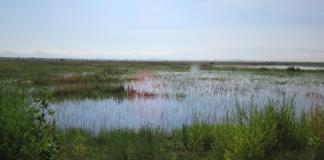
238	54
38	54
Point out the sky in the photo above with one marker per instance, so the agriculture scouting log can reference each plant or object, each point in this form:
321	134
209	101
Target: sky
267	30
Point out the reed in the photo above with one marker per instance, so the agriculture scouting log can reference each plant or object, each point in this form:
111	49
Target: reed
269	132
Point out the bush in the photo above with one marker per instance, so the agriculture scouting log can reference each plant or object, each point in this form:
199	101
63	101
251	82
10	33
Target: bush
24	131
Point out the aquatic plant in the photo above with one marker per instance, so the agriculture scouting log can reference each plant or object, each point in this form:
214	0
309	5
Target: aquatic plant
269	132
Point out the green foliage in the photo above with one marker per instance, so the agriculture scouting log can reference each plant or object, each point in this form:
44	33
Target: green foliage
24	131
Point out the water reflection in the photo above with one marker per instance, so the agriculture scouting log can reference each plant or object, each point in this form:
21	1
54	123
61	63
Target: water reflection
171	99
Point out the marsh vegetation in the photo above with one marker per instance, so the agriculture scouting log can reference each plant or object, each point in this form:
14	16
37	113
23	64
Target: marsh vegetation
73	109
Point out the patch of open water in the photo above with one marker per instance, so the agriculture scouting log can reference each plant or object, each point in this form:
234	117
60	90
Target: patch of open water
170	99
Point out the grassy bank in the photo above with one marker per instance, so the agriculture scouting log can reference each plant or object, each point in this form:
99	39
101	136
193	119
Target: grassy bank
274	132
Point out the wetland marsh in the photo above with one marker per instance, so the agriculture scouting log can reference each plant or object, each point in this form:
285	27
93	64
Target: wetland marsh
160	110
170	99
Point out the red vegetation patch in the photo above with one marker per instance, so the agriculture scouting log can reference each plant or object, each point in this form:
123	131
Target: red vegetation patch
132	93
138	78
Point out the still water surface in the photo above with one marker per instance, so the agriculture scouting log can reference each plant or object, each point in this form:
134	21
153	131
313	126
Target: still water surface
170	99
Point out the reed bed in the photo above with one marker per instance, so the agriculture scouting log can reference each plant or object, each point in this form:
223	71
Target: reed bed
273	132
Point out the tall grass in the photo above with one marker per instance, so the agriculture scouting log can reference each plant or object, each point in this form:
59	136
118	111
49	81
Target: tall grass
271	132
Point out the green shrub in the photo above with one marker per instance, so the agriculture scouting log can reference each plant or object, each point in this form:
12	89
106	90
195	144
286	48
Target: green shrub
24	131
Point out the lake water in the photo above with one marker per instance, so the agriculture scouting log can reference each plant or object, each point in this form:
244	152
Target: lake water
280	67
170	99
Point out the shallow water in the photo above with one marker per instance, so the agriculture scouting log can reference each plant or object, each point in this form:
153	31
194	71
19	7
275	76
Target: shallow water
280	67
171	99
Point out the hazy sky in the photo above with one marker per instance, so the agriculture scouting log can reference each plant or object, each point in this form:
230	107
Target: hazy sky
165	29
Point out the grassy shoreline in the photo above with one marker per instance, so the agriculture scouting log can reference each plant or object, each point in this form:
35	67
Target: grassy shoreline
274	132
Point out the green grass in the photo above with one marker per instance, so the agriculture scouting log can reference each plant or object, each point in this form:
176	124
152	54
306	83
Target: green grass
273	132
290	71
76	78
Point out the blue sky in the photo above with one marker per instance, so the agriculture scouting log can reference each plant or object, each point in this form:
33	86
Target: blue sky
165	29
